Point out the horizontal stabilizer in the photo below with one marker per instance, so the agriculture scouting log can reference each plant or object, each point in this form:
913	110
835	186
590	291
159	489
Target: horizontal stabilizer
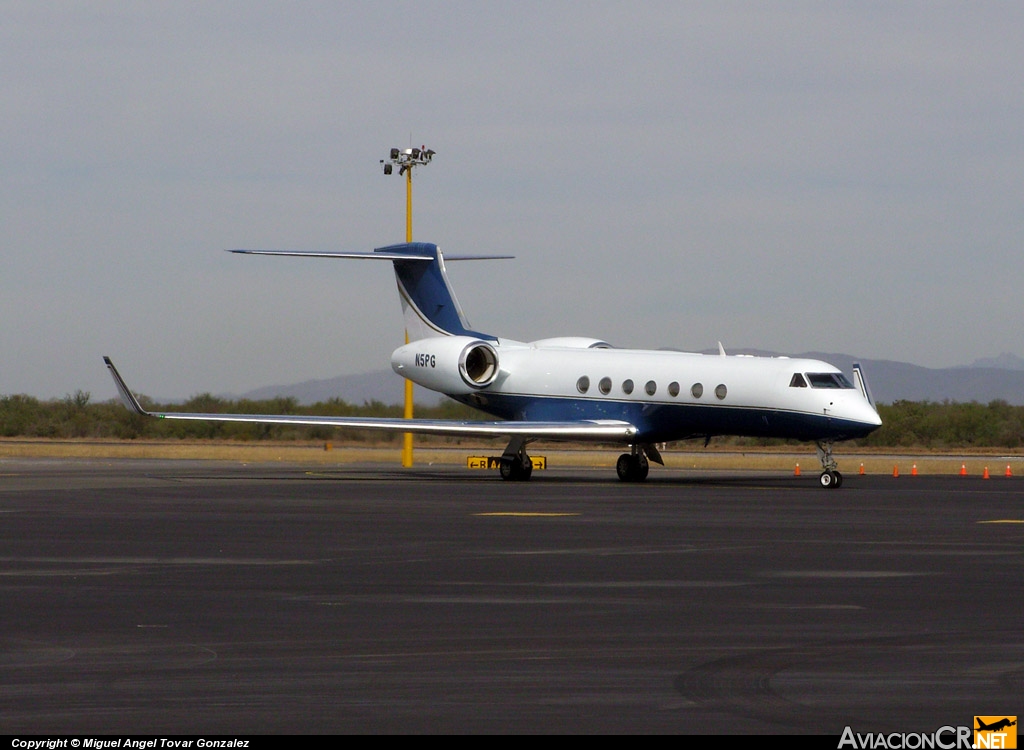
365	256
326	254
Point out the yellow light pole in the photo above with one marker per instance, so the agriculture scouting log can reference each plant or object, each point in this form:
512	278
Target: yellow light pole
407	436
405	160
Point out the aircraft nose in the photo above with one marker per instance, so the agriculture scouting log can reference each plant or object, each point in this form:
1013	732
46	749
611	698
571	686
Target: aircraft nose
857	412
866	414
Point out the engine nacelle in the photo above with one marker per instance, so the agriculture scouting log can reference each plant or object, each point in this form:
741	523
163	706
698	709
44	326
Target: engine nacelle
449	364
570	342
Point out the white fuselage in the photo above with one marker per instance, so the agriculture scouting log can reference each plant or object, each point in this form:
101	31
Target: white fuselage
666	394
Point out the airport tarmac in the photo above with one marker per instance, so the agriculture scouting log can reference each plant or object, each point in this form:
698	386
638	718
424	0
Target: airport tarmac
158	597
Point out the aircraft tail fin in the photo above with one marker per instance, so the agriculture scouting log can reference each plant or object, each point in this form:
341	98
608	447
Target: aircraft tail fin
429	305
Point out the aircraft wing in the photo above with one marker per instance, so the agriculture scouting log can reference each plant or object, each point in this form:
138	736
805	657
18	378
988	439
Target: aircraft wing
596	430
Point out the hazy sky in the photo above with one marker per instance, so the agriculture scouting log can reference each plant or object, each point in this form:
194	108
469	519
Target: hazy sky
788	176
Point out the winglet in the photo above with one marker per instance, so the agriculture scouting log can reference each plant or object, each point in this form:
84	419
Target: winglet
862	384
127	398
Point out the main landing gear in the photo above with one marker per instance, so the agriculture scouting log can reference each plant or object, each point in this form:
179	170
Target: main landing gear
830	478
634	466
516	465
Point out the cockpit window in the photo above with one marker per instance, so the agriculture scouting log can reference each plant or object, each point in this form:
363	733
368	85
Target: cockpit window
797	381
828	380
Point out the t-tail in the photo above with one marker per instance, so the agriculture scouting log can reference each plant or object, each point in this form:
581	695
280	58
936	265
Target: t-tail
429	304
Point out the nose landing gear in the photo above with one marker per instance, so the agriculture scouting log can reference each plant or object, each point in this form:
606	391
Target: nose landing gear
830	478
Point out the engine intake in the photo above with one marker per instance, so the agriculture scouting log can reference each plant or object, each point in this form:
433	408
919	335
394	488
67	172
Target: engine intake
478	364
449	364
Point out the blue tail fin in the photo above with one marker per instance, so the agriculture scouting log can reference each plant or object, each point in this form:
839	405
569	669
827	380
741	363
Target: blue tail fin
429	305
428	302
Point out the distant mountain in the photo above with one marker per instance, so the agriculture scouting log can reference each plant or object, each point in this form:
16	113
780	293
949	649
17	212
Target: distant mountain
1004	361
890	381
383	386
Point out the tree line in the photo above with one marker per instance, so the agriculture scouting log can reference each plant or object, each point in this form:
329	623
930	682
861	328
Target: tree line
76	416
905	424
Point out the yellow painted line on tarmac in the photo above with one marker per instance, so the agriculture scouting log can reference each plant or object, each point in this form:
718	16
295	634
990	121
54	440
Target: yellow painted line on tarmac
525	514
1005	520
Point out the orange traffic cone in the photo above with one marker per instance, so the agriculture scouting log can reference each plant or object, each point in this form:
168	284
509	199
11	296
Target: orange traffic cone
1008	472
862	469
913	470
796	471
895	471
985	475
963	470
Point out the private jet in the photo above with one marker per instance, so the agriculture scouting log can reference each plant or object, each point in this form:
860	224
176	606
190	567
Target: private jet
583	389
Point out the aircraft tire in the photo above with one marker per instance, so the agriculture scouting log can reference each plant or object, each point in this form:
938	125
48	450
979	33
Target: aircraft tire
516	469
643	467
632	468
826	479
837	480
623	466
525	469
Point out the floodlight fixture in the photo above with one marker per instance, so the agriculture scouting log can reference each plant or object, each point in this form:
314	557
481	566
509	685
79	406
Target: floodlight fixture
407	158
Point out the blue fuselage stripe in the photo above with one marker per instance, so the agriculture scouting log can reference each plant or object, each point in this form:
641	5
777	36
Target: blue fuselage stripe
660	422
